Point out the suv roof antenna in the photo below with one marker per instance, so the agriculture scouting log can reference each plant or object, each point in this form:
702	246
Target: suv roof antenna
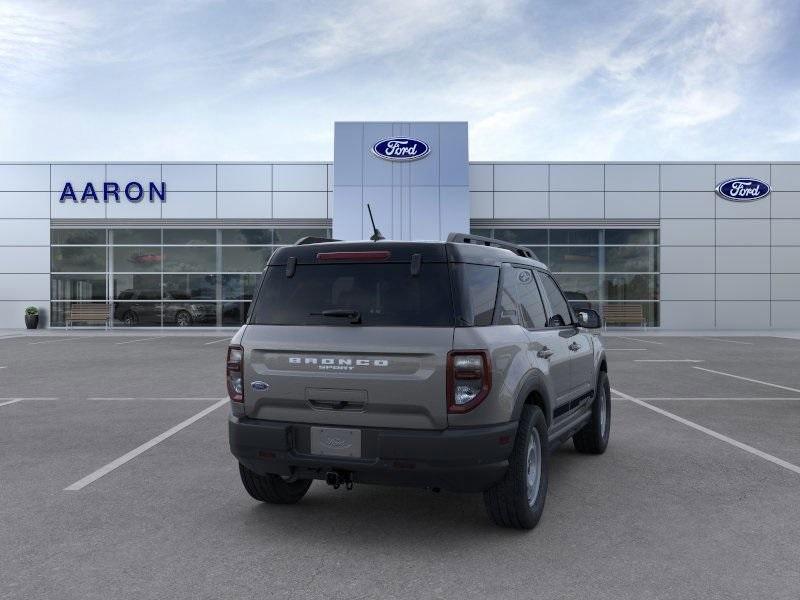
376	236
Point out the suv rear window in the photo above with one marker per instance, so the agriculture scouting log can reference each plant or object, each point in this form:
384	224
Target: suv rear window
384	294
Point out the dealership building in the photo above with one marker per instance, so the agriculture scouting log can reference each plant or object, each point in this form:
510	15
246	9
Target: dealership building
682	245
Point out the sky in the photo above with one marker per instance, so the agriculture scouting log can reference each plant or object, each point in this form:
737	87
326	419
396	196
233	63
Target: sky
259	81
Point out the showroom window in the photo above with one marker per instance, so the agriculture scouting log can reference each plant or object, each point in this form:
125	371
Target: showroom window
163	277
596	267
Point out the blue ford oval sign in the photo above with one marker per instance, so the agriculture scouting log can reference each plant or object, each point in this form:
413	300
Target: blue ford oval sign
743	189
400	148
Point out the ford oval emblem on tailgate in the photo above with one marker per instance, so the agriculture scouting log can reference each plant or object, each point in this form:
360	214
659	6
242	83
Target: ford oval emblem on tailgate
259	386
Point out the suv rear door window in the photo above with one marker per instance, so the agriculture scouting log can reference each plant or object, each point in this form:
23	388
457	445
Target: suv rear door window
476	291
530	300
508	298
384	294
560	309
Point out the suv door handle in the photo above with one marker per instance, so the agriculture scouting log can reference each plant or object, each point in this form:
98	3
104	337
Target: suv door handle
574	347
545	352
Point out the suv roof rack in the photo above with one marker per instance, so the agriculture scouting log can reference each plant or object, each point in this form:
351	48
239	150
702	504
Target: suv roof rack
464	238
310	239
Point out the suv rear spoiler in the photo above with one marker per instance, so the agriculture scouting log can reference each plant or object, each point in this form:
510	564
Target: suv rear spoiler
464	238
310	239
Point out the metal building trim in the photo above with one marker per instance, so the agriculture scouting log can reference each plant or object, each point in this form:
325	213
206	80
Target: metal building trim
574	223
221	223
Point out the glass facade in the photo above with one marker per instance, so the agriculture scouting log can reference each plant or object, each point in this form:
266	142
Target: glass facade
596	267
163	277
180	277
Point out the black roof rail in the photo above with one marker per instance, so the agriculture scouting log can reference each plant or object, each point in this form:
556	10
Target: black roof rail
468	238
310	239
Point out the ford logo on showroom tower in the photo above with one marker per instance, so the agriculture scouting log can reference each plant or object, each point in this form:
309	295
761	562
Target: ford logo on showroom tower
743	189
400	149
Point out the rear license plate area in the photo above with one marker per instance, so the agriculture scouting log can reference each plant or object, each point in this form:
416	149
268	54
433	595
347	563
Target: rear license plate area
333	441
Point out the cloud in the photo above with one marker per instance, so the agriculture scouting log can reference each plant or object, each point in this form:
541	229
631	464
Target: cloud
706	48
343	34
677	66
35	39
536	80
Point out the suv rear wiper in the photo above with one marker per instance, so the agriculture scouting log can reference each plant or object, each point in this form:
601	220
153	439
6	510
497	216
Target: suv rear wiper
345	313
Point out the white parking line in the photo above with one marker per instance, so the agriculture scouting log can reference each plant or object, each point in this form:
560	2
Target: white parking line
775	385
61	339
723	438
217	341
3	367
625	337
670	360
729	341
716	398
14	401
629	349
139	340
105	470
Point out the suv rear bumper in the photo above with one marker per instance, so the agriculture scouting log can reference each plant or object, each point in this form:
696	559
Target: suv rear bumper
463	459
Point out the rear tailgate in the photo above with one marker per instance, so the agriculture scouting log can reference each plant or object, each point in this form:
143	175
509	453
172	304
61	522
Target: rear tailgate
391	377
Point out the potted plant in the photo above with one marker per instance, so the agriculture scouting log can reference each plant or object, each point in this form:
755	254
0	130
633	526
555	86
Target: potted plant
31	317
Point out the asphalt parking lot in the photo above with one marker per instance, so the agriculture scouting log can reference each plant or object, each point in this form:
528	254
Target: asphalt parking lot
116	482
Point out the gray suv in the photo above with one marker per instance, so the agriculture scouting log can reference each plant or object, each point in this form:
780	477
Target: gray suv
453	365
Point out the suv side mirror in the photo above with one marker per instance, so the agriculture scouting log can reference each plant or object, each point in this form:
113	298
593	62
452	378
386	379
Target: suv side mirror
588	318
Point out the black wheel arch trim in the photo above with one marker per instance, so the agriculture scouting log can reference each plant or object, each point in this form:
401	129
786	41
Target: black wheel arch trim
533	382
601	360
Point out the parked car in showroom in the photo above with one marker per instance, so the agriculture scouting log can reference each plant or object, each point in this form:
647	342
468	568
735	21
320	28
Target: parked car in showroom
146	308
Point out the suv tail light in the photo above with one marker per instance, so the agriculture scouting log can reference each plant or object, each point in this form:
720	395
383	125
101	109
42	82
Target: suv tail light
234	373
469	379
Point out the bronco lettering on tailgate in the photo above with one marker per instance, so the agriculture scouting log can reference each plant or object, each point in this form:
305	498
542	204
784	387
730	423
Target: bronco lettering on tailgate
337	364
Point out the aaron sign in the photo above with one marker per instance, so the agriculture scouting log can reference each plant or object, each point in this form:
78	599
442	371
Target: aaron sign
133	192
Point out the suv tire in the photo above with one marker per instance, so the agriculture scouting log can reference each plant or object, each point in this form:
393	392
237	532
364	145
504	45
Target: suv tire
593	437
273	489
518	499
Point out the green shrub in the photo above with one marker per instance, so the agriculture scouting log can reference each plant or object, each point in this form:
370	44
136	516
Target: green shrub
31	310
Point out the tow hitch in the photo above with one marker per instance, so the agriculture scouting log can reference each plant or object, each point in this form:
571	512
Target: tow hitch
339	478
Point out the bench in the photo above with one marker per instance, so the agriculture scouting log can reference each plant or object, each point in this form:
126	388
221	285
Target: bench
624	314
87	312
